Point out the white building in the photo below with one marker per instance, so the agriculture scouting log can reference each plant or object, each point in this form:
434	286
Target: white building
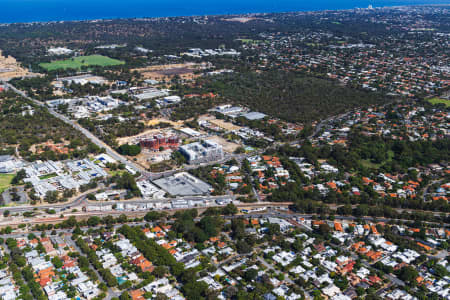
59	51
202	152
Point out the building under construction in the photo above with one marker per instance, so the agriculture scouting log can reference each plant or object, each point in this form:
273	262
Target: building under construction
157	141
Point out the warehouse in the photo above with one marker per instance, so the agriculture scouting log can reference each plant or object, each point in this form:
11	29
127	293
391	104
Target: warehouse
183	184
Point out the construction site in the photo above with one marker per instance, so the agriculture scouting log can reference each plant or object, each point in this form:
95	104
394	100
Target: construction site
10	68
185	71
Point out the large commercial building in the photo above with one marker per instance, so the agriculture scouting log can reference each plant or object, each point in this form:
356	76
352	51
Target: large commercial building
201	152
183	184
148	93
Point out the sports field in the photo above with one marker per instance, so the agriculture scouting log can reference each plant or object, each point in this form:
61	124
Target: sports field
78	62
5	181
437	100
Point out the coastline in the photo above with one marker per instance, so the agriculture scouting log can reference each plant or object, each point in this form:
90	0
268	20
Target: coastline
202	15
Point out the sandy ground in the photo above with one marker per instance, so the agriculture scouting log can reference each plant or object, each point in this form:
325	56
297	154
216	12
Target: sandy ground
166	72
148	157
220	123
150	132
10	68
227	146
156	121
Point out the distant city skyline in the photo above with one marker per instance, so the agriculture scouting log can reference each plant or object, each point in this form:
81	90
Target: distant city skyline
64	10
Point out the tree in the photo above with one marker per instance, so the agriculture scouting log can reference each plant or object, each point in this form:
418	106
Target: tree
125	296
51	196
211	225
6	213
243	247
273	229
127	181
19	177
362	210
230	209
250	274
345	210
93	221
324	229
160	296
130	150
408	274
109	278
152	216
179	158
440	271
56	261
194	289
160	271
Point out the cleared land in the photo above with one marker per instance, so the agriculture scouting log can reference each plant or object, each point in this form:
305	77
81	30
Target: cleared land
10	68
219	123
437	100
227	146
166	72
78	62
5	181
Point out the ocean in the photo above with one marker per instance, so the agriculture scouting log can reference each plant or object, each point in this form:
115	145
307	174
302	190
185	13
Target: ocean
12	11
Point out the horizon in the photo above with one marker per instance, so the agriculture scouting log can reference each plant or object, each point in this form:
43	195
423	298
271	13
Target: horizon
47	11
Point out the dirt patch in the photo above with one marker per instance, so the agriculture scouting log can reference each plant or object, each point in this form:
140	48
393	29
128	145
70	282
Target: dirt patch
227	126
148	158
156	121
148	133
61	148
10	68
227	146
166	72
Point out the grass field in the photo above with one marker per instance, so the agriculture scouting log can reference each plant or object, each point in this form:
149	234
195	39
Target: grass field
437	100
78	62
249	41
48	176
368	164
5	181
116	172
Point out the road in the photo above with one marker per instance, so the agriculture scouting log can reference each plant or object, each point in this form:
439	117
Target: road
427	187
270	267
111	152
110	293
82	201
322	123
238	157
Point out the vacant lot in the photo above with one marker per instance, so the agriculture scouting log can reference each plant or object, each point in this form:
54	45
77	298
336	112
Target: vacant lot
78	62
220	123
10	68
227	146
166	72
437	100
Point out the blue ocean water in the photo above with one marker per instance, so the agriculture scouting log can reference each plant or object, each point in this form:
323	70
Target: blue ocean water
57	10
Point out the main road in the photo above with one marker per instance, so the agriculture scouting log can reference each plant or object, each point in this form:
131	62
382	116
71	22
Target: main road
111	152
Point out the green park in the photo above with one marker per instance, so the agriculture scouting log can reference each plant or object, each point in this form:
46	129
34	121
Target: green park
437	100
80	61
